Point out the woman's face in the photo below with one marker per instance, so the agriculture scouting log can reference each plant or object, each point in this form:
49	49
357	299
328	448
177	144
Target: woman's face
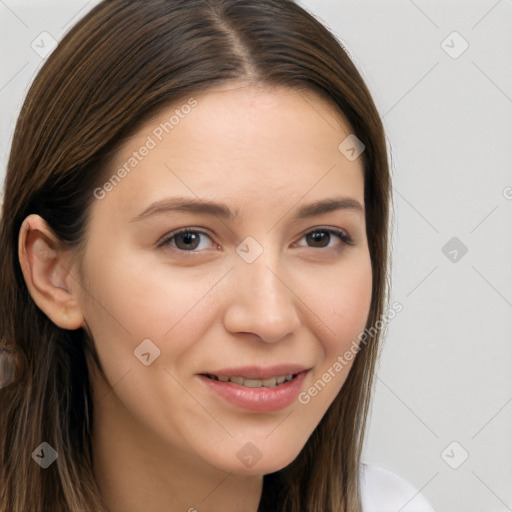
262	286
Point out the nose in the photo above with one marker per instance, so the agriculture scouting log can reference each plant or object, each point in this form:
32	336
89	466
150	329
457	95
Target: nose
262	301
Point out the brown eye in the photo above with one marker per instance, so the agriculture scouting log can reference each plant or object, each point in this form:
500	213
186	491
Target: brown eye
186	240
323	238
319	238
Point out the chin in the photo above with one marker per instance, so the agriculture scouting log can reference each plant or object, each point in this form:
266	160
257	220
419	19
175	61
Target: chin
258	458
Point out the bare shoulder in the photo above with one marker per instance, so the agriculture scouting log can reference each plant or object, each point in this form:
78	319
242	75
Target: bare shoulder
384	491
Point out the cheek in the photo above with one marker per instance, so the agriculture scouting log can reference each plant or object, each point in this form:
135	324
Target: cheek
126	302
342	304
346	303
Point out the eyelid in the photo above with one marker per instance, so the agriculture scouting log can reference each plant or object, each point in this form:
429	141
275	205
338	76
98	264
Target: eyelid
341	234
166	239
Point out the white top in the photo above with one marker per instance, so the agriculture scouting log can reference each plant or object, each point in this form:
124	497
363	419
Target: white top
384	491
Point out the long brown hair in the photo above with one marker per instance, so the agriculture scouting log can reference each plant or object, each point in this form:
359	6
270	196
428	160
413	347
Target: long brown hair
123	62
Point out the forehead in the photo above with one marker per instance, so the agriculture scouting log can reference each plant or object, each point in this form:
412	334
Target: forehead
249	146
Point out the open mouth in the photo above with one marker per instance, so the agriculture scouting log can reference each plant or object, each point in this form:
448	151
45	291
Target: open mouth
271	382
257	389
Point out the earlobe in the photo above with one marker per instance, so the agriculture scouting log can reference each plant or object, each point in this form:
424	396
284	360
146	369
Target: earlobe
46	267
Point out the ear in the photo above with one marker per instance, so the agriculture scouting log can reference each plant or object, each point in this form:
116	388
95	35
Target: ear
46	267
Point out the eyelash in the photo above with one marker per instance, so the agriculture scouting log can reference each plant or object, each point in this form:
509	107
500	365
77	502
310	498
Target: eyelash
166	241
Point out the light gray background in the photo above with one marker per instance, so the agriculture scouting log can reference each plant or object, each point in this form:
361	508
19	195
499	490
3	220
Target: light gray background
445	374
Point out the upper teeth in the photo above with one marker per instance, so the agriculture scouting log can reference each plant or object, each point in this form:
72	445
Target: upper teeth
254	383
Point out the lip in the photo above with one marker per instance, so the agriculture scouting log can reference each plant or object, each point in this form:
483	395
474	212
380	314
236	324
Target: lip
258	399
258	372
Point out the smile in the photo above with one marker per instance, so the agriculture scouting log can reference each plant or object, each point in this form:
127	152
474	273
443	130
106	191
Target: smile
261	390
270	382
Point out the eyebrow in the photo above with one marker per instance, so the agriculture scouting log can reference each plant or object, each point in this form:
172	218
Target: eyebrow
221	210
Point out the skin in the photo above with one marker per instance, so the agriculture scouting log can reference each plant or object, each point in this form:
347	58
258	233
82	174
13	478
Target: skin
162	440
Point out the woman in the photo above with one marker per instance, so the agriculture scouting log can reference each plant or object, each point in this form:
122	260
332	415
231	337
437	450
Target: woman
194	241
